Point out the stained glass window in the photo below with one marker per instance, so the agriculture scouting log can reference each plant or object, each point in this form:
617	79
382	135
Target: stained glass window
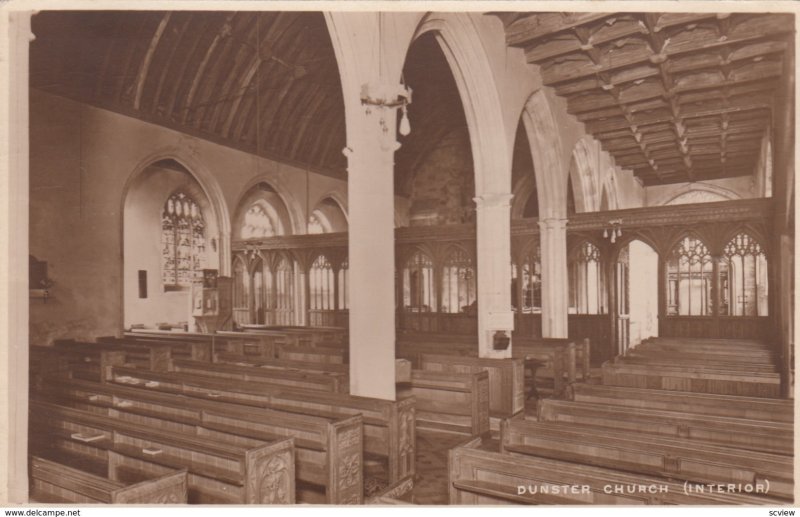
689	279
743	278
183	241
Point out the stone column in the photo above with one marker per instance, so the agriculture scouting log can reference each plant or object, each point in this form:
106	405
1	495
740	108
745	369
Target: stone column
15	31
494	272
370	193
553	235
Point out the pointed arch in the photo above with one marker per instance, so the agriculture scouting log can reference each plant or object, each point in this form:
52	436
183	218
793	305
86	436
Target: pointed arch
546	150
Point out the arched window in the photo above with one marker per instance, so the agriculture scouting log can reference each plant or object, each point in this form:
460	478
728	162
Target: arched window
586	289
344	297
743	278
318	223
419	294
258	223
241	292
320	282
458	282
689	279
183	242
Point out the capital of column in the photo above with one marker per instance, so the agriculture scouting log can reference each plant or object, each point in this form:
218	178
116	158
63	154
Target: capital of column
493	200
552	224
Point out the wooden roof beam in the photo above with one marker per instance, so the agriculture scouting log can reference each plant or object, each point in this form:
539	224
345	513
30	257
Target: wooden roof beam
611	125
551	79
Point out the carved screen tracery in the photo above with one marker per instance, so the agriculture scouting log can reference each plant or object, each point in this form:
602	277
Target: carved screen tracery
419	293
689	279
344	298
321	285
241	292
586	282
458	282
183	242
743	278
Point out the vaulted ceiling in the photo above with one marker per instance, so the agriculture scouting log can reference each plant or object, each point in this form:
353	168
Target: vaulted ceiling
673	97
263	82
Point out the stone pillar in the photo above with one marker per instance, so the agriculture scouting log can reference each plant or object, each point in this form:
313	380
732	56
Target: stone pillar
370	193
15	31
553	235
494	272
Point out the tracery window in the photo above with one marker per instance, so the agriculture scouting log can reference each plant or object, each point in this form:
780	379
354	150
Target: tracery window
458	282
321	285
316	224
419	293
743	278
586	282
257	223
183	242
689	279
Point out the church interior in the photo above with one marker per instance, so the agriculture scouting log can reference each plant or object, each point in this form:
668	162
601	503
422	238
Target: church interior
384	258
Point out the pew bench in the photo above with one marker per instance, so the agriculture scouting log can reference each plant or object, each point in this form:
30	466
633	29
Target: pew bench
478	476
695	363
756	435
686	460
91	363
218	472
53	482
450	402
692	379
185	345
389	426
506	380
756	408
324	381
320	455
311	354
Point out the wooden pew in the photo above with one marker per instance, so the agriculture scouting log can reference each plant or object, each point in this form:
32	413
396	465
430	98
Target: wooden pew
180	348
756	435
389	426
325	445
400	492
698	363
450	402
686	460
506	379
337	382
153	356
53	482
218	472
402	366
412	346
756	408
188	345
692	379
91	363
311	354
483	477
576	355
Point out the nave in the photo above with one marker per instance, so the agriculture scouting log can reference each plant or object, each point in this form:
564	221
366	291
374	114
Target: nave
307	257
138	412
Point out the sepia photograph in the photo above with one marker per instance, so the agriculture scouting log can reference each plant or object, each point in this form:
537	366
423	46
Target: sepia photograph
528	253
